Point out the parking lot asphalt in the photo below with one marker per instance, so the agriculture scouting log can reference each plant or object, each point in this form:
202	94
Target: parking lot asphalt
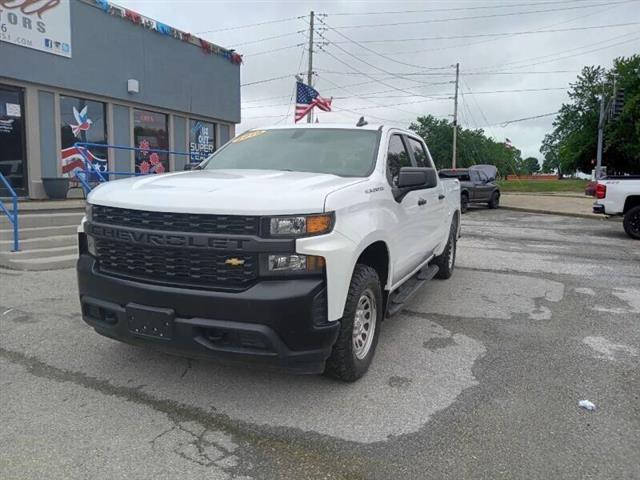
478	377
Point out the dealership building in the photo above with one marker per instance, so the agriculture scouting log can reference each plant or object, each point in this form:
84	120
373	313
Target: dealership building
88	71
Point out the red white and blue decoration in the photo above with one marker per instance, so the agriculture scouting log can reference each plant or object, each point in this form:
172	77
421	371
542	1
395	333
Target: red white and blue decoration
163	29
83	121
73	161
307	98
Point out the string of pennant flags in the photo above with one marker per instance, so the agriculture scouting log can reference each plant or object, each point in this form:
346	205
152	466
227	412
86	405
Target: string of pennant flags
166	30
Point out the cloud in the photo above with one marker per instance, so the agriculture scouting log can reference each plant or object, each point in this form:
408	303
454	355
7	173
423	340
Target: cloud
562	54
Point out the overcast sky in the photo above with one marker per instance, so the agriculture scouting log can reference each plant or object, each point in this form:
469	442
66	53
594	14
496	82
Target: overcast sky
397	72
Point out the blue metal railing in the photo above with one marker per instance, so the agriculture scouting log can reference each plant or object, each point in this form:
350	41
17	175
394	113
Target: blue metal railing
92	171
12	216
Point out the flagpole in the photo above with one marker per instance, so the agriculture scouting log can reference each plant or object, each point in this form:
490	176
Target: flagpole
310	68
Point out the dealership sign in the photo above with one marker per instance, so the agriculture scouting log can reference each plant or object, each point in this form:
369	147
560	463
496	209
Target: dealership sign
39	24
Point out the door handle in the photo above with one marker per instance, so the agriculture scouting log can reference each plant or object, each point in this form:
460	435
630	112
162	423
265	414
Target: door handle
422	201
441	196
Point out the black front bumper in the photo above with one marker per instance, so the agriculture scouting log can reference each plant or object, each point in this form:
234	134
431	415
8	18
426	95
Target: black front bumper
275	323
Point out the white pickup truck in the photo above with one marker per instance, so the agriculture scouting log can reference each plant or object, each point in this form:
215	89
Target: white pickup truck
287	247
620	196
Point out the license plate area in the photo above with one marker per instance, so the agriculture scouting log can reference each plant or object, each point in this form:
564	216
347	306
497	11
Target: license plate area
150	321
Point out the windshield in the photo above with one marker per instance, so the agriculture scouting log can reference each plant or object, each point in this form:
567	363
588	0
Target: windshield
346	153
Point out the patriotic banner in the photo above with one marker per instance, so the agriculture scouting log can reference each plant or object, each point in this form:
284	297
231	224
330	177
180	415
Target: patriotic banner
73	162
307	98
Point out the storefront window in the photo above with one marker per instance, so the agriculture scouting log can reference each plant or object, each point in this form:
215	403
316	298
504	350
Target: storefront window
82	121
202	140
150	133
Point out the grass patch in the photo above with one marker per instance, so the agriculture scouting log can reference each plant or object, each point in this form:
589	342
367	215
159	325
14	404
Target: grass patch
572	186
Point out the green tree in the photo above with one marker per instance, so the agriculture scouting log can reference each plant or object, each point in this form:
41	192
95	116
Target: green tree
530	165
474	147
572	145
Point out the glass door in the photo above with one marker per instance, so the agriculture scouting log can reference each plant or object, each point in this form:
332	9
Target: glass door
13	160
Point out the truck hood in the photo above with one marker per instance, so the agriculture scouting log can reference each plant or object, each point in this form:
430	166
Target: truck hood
243	192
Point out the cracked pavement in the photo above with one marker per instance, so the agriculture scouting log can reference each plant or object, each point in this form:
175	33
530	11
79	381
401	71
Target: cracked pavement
478	377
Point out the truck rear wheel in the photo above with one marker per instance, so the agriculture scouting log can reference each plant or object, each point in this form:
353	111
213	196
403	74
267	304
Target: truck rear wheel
631	222
359	327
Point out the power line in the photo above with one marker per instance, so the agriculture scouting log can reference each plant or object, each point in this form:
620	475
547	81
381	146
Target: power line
431	10
273	79
509	122
273	50
475	17
381	55
482	42
248	25
413	74
265	39
574	55
502	34
525	60
372	78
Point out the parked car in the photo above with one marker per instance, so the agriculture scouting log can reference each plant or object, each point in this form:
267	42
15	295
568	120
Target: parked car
286	247
477	185
620	195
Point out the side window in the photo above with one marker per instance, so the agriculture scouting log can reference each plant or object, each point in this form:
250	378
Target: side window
473	175
397	157
419	153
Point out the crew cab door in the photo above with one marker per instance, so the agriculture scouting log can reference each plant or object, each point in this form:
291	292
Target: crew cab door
434	216
407	233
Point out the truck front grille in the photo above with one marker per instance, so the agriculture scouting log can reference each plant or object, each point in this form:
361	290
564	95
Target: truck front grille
177	222
195	268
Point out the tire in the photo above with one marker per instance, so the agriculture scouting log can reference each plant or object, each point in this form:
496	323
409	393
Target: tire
351	355
631	222
495	200
464	203
447	260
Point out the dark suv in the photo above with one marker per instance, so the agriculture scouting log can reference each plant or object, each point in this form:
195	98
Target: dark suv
477	185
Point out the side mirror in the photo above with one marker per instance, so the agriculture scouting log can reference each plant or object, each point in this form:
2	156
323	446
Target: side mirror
417	178
414	178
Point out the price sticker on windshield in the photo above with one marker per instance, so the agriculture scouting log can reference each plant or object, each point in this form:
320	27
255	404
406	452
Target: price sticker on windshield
248	135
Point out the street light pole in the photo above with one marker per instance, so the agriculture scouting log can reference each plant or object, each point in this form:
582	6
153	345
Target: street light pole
455	118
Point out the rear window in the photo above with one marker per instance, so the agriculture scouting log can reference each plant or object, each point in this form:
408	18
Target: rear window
462	175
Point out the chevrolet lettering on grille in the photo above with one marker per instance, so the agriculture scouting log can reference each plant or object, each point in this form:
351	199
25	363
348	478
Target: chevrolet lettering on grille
167	239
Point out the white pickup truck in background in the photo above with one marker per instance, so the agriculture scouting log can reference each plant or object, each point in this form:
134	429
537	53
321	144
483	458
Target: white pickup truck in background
620	196
286	247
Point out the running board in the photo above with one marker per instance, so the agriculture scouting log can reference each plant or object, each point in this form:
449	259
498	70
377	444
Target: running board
398	298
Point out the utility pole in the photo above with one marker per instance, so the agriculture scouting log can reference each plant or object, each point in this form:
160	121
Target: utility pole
455	118
310	68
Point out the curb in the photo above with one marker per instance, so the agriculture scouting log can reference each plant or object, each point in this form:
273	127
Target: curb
591	216
547	194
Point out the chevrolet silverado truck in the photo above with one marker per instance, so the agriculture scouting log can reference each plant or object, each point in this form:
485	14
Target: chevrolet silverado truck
620	196
477	185
287	247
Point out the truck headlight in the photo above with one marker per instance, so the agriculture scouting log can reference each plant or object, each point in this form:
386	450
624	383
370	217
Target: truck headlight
301	225
291	263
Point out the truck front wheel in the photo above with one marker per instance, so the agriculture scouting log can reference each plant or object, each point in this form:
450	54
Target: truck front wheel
631	222
359	327
446	260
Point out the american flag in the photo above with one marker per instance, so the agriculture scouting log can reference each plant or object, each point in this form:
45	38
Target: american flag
308	97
